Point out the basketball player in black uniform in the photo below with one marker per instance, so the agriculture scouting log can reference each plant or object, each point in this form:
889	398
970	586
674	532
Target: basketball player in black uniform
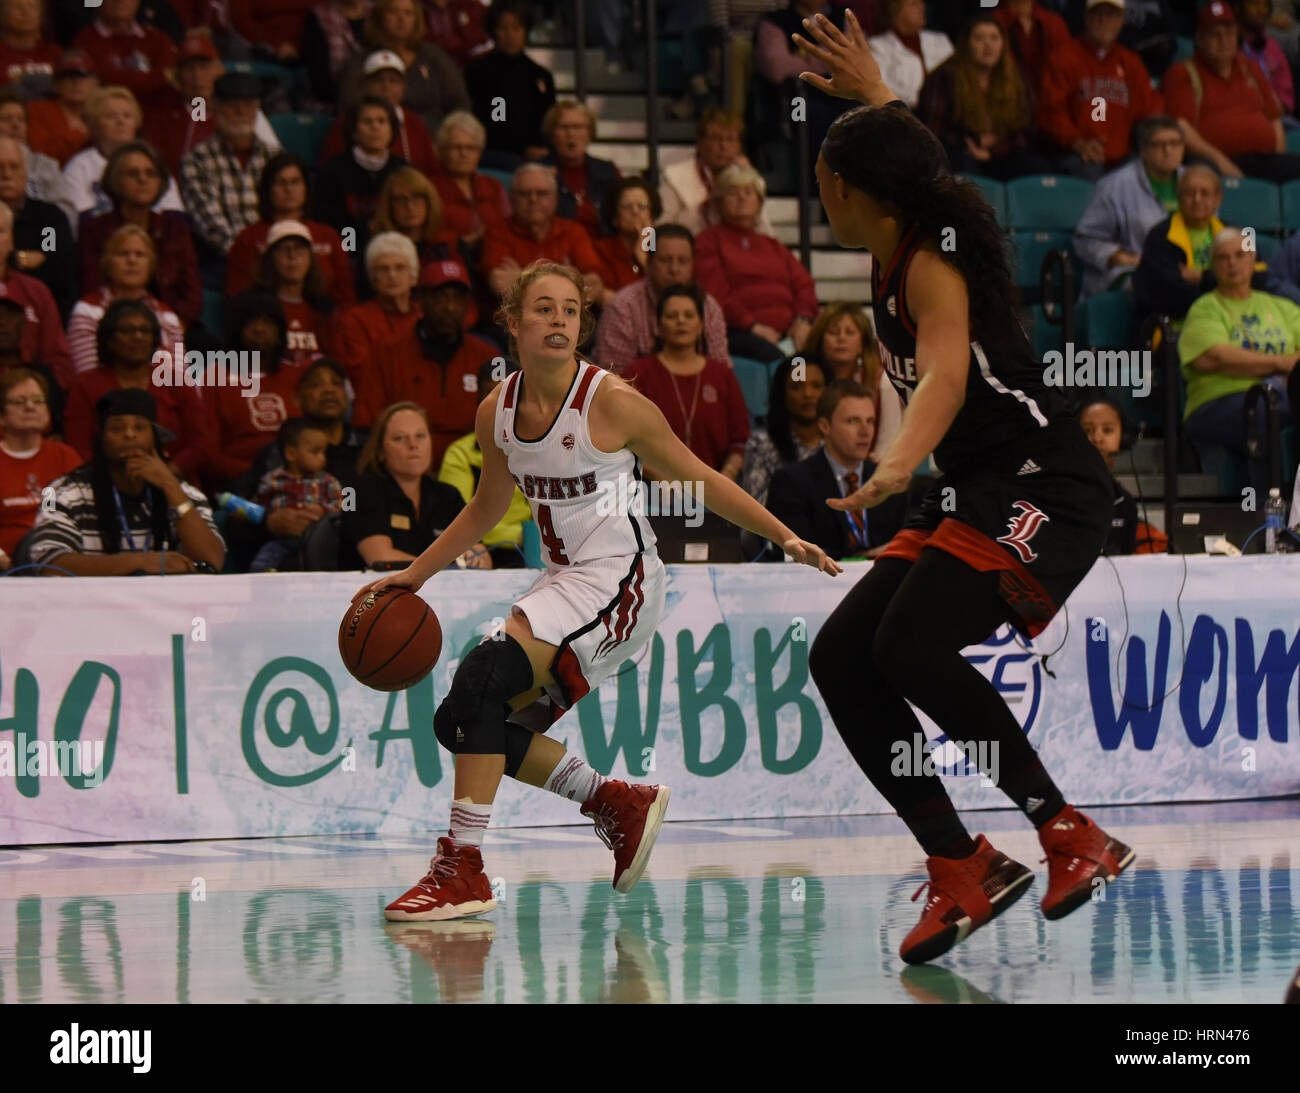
1017	519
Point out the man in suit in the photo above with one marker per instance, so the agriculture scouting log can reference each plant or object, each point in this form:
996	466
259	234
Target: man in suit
846	416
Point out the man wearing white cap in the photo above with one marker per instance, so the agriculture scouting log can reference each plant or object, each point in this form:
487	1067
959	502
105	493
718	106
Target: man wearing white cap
1094	92
384	74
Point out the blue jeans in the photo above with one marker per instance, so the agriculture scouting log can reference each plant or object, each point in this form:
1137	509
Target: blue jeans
1222	421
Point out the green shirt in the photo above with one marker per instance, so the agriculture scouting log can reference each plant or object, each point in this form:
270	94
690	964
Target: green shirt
1166	193
1202	241
1262	322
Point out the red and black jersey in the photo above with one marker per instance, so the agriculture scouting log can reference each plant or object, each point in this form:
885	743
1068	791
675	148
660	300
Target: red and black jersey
1006	397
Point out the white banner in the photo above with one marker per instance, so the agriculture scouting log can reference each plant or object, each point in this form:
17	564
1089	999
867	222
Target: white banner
209	707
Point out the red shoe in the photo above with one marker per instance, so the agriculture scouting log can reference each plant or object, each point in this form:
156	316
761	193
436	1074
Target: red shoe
1078	853
965	893
454	887
627	820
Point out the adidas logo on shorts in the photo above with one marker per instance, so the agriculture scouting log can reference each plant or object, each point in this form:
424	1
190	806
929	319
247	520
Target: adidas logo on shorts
1030	467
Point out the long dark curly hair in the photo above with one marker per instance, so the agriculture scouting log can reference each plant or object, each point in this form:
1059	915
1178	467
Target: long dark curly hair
891	156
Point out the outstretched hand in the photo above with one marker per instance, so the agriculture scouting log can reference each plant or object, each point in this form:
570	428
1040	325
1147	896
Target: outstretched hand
403	578
883	484
811	554
854	73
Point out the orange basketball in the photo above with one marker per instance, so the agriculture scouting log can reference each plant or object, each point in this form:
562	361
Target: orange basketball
390	639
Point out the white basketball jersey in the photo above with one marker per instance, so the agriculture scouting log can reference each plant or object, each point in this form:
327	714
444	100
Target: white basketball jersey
588	504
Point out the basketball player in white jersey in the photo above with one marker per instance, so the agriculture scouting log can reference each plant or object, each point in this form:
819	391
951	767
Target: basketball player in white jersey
573	437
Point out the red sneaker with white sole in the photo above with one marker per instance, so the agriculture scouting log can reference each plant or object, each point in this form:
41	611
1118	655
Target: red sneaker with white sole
965	893
454	887
627	819
1078	854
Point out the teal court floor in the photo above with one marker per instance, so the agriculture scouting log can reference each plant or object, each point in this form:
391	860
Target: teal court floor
793	910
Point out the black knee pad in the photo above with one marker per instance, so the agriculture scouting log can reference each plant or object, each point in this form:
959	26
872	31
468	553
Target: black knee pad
471	719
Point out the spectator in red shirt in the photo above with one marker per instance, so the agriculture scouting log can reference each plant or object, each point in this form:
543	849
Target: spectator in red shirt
289	271
385	76
284	193
26	59
13	323
699	395
128	54
276	25
1224	103
58	127
457	26
128	337
435	365
29	460
1091	136
583	180
534	231
242	424
134	180
392	266
765	293
127	265
630	210
471	202
43	339
1037	36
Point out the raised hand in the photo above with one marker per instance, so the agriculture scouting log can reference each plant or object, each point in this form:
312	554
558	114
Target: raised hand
854	73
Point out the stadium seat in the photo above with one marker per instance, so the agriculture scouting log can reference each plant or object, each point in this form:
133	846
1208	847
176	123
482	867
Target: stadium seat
531	545
1045	202
1183	49
1291	205
501	176
995	193
1251	203
1267	246
302	134
1293	141
1043	335
754	384
1031	247
1110	320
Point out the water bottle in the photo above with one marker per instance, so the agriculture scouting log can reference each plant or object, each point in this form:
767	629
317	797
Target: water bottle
245	510
1274	512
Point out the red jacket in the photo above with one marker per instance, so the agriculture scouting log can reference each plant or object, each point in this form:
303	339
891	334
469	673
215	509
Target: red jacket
179	409
363	332
754	277
414	143
326	245
489	209
43	338
1077	78
1049	38
618	270
271	22
49	133
568	242
241	427
449	395
458	27
177	274
137	60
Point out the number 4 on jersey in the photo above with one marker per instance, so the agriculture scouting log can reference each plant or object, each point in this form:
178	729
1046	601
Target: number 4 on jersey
553	543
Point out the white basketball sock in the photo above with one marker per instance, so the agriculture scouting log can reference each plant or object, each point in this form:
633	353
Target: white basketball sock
572	778
468	822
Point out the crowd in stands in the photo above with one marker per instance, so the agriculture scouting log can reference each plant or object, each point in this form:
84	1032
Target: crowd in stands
148	212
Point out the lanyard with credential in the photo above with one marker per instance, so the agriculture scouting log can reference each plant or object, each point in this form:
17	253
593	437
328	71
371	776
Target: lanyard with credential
126	530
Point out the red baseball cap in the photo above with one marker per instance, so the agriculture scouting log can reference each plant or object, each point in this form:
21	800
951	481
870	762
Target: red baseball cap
197	47
75	60
1215	14
437	274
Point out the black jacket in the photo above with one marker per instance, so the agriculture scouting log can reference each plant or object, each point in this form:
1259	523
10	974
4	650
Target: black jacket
526	86
797	497
58	268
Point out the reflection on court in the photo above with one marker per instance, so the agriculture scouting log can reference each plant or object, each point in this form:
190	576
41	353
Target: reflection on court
776	910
